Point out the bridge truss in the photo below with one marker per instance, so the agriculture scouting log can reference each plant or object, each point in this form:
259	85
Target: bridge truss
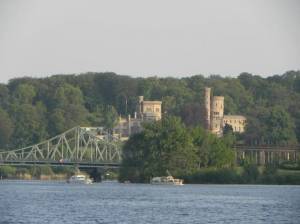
78	145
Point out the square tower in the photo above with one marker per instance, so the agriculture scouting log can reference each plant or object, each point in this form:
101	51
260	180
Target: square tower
217	114
149	110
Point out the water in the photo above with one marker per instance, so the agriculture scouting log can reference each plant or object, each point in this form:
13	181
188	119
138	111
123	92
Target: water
53	202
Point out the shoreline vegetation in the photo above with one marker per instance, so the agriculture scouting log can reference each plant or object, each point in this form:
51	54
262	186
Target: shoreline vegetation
35	173
241	175
47	172
249	174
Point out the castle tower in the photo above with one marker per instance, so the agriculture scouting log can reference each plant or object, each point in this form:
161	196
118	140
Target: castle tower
217	114
207	107
140	109
218	106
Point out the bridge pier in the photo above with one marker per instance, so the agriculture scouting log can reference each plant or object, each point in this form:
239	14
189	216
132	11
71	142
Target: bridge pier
96	174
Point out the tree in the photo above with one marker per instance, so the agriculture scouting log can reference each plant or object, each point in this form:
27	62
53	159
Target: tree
7	171
4	96
110	117
24	94
270	126
212	151
29	123
163	145
68	109
280	127
6	129
250	173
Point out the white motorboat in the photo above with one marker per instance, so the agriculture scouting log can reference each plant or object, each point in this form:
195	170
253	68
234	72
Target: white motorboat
80	179
166	180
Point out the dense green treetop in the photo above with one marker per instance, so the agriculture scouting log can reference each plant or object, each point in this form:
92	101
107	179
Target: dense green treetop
36	108
168	145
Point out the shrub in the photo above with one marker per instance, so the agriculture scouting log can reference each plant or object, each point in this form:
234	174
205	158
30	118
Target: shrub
251	173
7	171
214	175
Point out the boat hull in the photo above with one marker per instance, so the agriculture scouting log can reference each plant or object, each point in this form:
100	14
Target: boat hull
79	179
169	180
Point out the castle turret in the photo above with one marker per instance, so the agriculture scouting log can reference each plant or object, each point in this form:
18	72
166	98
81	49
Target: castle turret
218	106
207	107
140	109
217	114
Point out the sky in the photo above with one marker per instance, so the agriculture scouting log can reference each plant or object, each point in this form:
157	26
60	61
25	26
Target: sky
39	38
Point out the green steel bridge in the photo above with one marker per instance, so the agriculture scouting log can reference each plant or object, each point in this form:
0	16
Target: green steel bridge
80	146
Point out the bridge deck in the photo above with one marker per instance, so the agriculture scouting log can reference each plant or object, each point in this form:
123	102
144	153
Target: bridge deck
51	163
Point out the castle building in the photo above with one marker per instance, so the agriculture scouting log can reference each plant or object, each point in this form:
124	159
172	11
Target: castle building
148	111
215	118
237	122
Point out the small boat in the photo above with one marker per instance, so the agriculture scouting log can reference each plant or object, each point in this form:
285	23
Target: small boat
79	179
127	182
166	180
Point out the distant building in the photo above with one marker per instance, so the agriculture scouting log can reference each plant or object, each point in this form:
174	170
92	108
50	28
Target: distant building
147	111
237	122
215	118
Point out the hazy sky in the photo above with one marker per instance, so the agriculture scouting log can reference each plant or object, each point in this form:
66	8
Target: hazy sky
145	38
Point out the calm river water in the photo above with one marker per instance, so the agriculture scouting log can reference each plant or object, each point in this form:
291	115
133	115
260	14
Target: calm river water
53	202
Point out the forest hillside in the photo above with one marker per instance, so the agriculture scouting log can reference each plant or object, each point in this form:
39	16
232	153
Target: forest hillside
34	109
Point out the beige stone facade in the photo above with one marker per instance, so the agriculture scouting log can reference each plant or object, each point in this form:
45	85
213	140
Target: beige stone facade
215	118
237	122
217	111
148	111
151	110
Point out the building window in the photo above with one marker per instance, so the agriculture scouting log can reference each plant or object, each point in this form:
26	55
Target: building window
157	110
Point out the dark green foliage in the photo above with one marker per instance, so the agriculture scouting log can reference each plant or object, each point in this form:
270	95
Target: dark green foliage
269	174
39	108
163	145
251	173
169	145
227	129
246	175
37	171
6	128
214	176
69	170
212	151
7	171
290	165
